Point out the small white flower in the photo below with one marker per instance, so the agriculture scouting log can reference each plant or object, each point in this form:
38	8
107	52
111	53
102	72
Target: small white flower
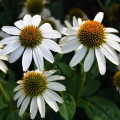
91	37
30	40
38	87
34	7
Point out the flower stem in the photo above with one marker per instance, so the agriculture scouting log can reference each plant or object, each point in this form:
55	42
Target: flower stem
74	83
7	99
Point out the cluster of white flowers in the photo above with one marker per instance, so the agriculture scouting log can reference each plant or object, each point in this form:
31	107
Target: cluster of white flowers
31	39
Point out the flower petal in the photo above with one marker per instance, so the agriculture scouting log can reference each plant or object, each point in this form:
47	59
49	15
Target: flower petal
79	21
53	34
51	102
10	48
36	20
9	40
50	72
45	27
113	37
50	44
68	24
75	23
55	77
27	20
101	61
89	60
54	95
11	30
24	105
46	53
109	30
17	88
41	106
79	55
15	55
109	54
18	94
19	24
99	17
26	59
38	58
33	108
3	67
20	100
56	86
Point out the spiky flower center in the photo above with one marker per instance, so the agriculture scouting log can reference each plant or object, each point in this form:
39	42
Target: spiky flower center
51	22
116	79
35	6
34	83
92	34
30	36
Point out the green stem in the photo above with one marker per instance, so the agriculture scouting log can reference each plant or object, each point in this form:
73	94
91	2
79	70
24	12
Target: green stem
103	8
74	83
82	84
7	99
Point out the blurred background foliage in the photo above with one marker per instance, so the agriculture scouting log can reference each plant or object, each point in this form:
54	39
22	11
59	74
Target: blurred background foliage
100	100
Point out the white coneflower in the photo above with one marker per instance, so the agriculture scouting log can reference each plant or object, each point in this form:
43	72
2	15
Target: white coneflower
31	40
89	37
3	66
34	7
56	24
35	88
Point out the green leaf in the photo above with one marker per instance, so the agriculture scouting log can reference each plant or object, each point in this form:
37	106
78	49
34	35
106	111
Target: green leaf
67	71
2	103
67	109
100	108
58	57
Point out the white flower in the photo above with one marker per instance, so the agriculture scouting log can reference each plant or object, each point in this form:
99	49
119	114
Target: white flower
89	37
3	66
34	7
56	24
38	87
31	40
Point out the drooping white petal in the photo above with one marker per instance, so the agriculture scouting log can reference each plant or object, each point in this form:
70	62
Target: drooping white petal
45	27
36	20
41	106
27	20
9	40
63	31
15	55
3	67
89	60
68	24
55	77
50	72
101	61
113	37
113	44
18	94
20	100
17	88
11	30
33	108
75	23
52	45
19	24
79	55
24	105
19	81
54	95
5	57
99	17
10	48
71	46
38	58
79	21
67	39
111	30
50	102
53	34
56	86
26	59
46	53
73	31
109	54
